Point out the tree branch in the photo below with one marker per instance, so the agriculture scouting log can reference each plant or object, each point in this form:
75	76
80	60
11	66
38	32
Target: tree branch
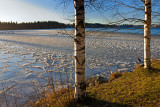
143	1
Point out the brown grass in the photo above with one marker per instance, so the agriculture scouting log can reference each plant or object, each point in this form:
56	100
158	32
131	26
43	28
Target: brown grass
61	98
115	75
135	89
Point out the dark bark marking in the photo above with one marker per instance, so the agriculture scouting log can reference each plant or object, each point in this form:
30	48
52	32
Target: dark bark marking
83	62
81	23
148	4
76	28
83	48
146	37
80	73
77	60
79	35
78	14
83	52
75	40
81	8
83	85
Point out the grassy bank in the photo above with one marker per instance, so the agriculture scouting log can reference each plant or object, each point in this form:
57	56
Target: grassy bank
138	88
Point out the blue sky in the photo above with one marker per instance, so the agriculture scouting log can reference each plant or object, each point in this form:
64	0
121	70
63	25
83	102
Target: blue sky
51	10
41	10
28	11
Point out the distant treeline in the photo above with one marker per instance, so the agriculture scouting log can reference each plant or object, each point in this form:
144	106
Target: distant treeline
98	25
32	25
51	25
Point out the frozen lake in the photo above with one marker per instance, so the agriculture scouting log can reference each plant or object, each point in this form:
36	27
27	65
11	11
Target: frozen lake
24	55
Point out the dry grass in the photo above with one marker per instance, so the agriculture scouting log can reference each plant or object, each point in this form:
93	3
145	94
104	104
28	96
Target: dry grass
61	98
115	75
136	89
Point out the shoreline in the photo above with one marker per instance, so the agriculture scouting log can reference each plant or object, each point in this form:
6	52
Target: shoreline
71	31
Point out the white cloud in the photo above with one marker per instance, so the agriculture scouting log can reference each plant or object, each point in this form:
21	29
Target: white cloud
16	10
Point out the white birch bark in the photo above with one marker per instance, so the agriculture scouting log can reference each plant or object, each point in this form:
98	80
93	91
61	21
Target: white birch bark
79	49
147	34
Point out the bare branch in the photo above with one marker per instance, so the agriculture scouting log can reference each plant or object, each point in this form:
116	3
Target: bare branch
143	1
123	4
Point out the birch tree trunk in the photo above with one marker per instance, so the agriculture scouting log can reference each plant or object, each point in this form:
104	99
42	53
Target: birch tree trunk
147	34
79	49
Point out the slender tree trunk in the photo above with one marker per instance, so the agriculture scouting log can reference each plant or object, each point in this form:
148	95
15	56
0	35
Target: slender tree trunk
147	34
79	49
